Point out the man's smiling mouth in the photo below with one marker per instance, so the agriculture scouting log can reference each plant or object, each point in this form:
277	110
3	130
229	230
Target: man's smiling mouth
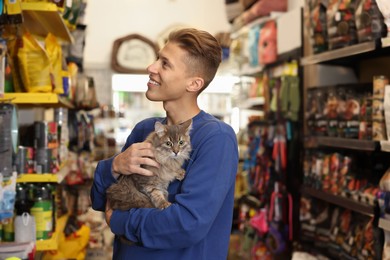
153	82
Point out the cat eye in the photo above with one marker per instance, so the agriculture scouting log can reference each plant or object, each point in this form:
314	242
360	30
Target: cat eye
181	142
169	143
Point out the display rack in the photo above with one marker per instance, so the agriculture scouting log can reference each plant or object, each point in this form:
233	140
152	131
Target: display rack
41	18
339	53
41	99
342	143
365	60
344	202
51	100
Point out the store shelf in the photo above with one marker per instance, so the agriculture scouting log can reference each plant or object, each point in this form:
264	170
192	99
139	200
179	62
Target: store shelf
252	103
344	143
340	201
278	67
339	53
243	31
41	18
35	177
45	177
37	99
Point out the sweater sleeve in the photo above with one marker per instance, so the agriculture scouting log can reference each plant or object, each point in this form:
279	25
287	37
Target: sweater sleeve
103	179
210	176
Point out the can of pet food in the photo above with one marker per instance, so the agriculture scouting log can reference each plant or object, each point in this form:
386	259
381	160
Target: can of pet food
41	139
42	210
380	81
25	160
43	160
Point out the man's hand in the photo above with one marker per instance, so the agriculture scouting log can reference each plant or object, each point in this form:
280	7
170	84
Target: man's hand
130	161
108	213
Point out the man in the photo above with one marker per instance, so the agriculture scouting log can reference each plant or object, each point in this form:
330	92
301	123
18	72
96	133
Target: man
198	223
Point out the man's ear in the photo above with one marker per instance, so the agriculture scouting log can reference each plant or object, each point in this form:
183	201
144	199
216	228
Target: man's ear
195	84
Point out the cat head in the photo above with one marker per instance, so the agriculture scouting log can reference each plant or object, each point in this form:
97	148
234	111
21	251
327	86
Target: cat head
173	141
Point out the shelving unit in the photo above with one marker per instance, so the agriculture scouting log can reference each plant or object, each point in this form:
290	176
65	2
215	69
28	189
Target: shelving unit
41	18
34	177
57	177
364	60
41	99
50	100
339	53
344	202
342	143
258	98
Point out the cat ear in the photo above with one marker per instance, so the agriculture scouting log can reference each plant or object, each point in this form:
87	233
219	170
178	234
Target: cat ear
187	125
159	128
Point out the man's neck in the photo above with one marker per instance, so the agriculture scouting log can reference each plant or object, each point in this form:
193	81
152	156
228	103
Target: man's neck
180	115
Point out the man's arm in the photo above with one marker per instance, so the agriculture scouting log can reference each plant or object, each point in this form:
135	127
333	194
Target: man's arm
103	179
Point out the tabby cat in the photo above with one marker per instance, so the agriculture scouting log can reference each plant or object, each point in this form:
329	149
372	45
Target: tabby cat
172	147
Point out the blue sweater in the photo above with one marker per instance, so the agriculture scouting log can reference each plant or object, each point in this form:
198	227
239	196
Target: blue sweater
198	223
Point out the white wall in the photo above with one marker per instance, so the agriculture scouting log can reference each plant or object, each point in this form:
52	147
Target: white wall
109	20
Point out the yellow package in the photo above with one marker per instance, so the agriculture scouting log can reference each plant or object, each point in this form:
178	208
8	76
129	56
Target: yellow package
34	65
13	7
72	247
54	51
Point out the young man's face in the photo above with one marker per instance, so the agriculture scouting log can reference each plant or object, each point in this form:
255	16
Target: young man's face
168	75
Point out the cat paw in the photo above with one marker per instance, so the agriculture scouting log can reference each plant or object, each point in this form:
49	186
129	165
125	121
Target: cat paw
180	175
165	205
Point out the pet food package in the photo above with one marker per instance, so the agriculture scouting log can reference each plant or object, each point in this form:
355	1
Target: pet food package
317	24
35	65
378	114
306	216
253	39
267	48
369	21
341	23
365	123
351	112
313	114
54	52
384	8
320	119
331	112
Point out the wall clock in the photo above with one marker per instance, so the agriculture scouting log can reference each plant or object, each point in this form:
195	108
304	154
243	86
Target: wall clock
132	54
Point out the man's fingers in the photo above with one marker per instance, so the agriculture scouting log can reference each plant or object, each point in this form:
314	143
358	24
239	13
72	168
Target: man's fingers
149	162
